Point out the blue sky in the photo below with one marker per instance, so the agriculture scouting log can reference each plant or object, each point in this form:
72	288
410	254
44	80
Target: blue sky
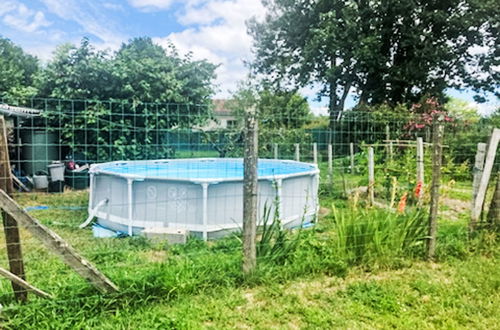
213	29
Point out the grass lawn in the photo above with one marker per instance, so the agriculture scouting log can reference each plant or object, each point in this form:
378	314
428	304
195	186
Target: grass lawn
201	285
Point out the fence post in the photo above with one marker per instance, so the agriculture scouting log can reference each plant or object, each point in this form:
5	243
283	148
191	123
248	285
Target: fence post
250	188
420	168
437	150
371	176
387	138
485	177
297	152
12	237
330	165
351	150
315	153
477	173
494	211
275	151
478	169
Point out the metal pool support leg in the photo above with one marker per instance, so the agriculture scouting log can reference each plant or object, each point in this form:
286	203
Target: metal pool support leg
204	186
129	185
91	184
315	189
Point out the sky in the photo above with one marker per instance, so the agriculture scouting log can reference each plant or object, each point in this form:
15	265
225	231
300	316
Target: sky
211	29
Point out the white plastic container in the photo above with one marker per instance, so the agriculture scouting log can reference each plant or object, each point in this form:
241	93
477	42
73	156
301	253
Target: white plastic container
56	171
40	181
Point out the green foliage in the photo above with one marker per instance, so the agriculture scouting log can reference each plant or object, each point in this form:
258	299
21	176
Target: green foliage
362	236
275	244
140	70
282	116
390	51
17	70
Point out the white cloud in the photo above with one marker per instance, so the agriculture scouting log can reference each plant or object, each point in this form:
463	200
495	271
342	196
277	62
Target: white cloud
88	15
7	6
20	17
216	31
151	4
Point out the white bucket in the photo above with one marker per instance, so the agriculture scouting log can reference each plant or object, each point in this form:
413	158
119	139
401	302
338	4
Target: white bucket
56	172
40	181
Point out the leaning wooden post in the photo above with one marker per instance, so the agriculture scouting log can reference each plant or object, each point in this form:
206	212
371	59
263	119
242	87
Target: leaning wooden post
485	177
315	153
250	187
437	151
371	176
12	238
420	169
275	151
297	152
330	165
351	150
56	245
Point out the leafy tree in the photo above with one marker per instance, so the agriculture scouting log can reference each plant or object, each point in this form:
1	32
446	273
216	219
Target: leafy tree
17	70
77	73
384	50
148	73
282	116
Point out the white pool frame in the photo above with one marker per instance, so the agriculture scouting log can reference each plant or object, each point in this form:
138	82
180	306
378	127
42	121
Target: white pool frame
210	207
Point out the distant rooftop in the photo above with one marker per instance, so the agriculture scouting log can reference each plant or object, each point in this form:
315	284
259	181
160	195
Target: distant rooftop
10	110
220	107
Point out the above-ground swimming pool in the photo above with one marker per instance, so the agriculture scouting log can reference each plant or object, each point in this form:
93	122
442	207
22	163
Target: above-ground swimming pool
204	196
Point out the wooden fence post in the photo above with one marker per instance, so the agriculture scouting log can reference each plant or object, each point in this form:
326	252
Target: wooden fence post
351	151
57	245
485	178
387	138
371	176
250	188
330	165
275	151
494	211
477	172
12	237
478	169
420	168
437	150
297	152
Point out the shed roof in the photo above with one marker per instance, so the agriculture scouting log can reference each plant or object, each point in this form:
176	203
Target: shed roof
10	110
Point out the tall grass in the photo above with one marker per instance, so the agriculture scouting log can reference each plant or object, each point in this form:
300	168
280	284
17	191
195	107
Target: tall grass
377	235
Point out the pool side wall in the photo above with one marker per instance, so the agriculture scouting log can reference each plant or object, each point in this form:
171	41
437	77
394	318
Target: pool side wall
207	209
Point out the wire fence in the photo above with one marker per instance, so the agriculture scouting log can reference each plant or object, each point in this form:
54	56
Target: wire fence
121	182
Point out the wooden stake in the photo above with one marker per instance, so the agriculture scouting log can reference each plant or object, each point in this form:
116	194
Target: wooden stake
478	169
485	178
330	165
297	152
494	211
19	281
387	137
250	188
12	237
351	150
437	140
420	168
56	244
371	176
315	153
